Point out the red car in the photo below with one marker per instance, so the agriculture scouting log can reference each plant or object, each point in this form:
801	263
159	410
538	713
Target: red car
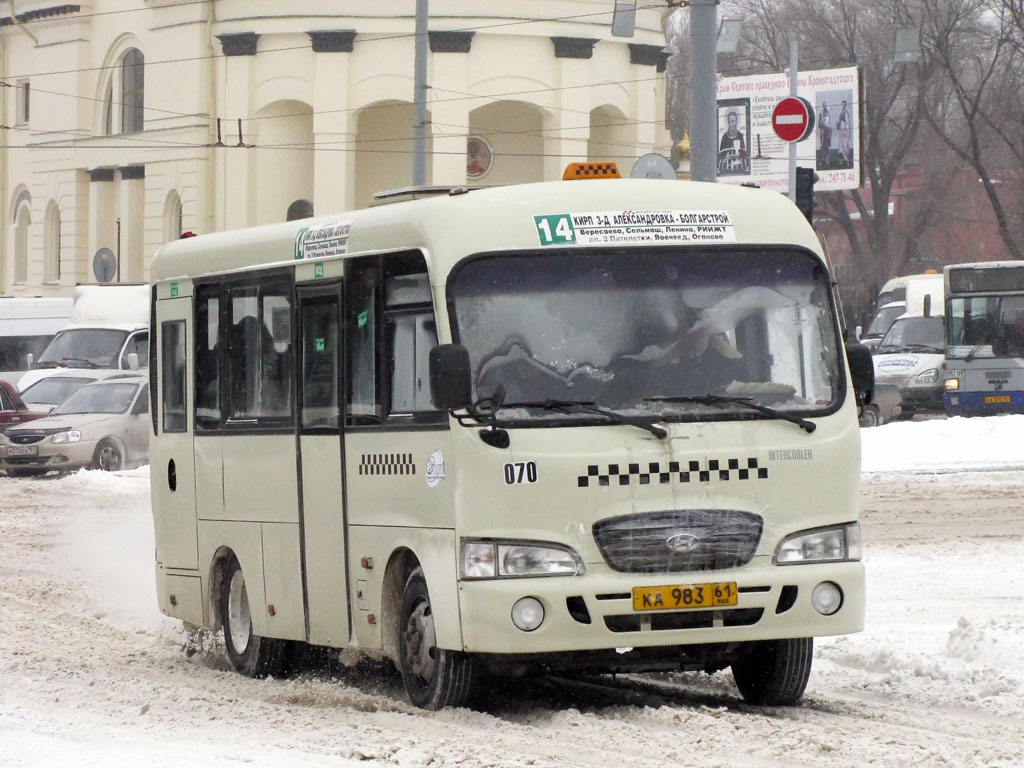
12	408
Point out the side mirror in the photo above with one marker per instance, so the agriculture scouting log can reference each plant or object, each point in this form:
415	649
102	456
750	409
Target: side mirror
450	377
858	331
133	361
862	371
29	359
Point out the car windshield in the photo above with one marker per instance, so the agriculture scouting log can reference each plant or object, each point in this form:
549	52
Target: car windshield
84	347
914	334
99	398
884	319
53	389
632	329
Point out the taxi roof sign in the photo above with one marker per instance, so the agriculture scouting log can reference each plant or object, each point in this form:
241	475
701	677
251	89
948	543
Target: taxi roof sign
606	170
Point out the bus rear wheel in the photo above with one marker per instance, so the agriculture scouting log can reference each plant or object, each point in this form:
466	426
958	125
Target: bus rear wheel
774	672
434	678
250	654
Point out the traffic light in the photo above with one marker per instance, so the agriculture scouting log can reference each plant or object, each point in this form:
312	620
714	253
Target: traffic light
804	198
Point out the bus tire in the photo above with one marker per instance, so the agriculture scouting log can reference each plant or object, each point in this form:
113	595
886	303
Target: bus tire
774	672
108	456
250	654
434	678
869	416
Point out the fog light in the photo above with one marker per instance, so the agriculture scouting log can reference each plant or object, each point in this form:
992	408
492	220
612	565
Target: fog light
827	598
527	613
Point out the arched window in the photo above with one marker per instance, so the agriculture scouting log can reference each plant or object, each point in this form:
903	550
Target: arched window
51	243
172	217
300	209
133	81
22	222
125	95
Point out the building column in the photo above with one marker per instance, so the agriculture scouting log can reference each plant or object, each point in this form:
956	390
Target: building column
333	125
102	220
132	215
236	183
449	113
567	130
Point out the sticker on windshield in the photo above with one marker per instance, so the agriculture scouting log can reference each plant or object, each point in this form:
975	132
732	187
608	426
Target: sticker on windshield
322	241
644	227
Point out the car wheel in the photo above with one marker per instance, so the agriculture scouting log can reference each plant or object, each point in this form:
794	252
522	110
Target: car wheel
774	672
434	678
869	416
108	456
250	654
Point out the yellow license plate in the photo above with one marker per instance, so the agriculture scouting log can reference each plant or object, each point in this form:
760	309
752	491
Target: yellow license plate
997	399
675	597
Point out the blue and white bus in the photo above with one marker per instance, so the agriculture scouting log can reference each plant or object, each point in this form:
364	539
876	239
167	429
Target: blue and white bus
984	367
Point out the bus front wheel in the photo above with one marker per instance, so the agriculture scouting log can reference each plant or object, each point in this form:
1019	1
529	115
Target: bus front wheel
774	672
250	654
434	678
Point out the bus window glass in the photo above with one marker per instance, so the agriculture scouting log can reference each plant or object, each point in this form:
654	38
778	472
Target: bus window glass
259	344
413	335
320	363
363	403
172	387
646	331
207	358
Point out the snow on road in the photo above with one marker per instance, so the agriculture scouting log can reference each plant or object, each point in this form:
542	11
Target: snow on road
92	675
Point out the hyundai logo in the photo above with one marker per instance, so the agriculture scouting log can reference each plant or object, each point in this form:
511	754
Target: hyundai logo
682	542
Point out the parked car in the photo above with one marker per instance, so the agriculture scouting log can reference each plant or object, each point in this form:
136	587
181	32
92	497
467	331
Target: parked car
46	394
13	409
104	425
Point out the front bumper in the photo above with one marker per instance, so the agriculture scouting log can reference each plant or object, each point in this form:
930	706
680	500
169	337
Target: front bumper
608	621
61	456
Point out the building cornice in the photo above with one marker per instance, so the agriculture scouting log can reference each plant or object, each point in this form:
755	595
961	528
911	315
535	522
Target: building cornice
40	13
239	44
456	41
333	40
574	47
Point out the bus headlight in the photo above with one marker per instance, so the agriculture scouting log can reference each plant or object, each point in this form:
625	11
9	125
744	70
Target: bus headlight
511	559
952	385
71	436
823	545
928	377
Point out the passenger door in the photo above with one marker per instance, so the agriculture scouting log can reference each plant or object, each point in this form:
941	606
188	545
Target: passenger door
322	516
172	471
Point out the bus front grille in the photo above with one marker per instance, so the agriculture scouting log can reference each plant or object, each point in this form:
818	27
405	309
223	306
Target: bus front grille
679	540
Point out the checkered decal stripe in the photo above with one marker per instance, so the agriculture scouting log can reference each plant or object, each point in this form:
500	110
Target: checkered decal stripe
386	464
657	473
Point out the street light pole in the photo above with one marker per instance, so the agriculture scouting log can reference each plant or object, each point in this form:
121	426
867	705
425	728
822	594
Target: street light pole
703	90
419	127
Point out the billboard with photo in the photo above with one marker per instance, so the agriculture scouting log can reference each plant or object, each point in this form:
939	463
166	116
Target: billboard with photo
749	150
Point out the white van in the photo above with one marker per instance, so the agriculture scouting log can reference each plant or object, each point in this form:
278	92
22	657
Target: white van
109	328
27	325
911	295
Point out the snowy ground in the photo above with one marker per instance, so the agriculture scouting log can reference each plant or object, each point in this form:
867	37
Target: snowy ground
92	675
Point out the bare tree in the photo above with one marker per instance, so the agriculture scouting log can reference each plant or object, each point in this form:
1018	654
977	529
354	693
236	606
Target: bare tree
976	107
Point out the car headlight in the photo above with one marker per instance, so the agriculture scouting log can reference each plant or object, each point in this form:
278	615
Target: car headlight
510	559
71	436
823	545
928	377
952	384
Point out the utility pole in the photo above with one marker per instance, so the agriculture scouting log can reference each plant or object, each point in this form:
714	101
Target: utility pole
419	118
793	56
703	90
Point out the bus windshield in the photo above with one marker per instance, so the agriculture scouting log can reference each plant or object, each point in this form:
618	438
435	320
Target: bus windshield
986	326
633	330
84	348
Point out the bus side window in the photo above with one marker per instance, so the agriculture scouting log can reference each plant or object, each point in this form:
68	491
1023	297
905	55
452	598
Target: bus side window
413	335
259	349
173	376
361	329
207	358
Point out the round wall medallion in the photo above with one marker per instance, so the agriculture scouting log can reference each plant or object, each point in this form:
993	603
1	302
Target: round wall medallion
479	157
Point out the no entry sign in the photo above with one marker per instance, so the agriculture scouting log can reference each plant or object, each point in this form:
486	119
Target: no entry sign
793	118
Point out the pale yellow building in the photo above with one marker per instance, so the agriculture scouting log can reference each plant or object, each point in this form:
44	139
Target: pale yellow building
129	121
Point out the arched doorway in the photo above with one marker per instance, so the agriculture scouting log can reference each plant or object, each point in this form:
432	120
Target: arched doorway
284	173
384	149
514	132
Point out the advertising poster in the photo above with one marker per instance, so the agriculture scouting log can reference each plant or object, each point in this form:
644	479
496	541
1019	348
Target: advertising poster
749	150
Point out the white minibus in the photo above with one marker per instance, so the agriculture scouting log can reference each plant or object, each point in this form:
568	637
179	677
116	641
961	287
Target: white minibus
603	425
27	325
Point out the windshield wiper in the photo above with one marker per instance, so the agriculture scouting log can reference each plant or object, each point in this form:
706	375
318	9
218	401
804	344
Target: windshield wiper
80	362
747	402
580	406
974	349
